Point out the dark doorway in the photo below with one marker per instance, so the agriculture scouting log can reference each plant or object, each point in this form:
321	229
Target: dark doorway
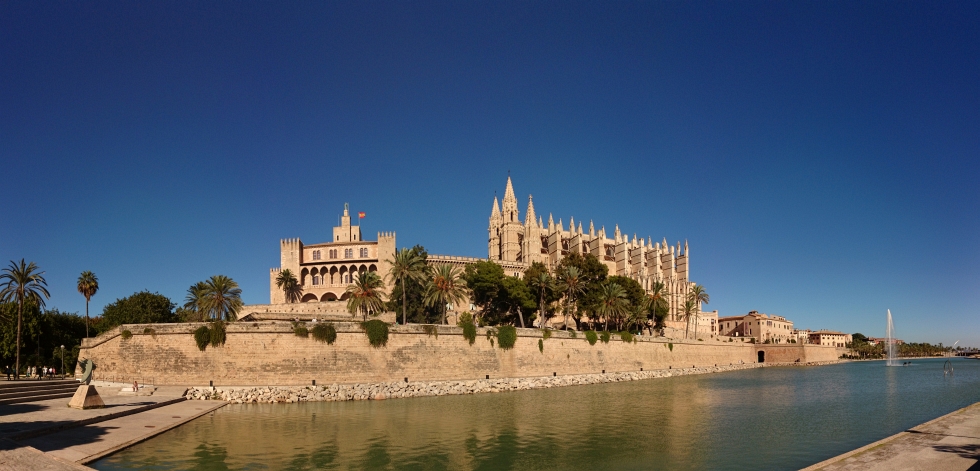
762	356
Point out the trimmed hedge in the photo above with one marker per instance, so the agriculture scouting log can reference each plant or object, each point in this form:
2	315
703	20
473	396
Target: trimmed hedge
627	337
301	331
604	336
541	345
591	336
150	331
506	336
126	334
377	332
546	334
202	336
324	333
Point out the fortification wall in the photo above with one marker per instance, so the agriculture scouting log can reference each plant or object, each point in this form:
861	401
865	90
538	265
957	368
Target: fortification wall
269	353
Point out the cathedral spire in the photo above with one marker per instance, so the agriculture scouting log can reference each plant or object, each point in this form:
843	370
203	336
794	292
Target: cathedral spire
591	229
529	217
551	222
509	193
495	213
571	224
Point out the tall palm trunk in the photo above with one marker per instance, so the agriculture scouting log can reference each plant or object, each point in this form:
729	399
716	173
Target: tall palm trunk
86	317
20	315
404	304
541	309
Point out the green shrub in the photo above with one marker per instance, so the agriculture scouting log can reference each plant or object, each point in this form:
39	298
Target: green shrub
507	336
752	340
541	345
217	331
670	346
591	336
126	334
301	331
324	333
377	332
491	334
203	337
469	332
626	337
604	336
431	330
546	334
150	331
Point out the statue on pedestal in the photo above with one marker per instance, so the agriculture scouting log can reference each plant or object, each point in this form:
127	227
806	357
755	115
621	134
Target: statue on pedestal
86	397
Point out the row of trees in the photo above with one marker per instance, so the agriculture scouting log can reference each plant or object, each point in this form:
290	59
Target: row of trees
580	289
861	348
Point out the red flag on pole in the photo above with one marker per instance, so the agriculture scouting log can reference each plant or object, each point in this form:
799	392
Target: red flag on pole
360	215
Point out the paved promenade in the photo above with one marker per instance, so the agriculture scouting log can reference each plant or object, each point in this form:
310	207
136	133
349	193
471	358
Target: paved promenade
949	443
48	435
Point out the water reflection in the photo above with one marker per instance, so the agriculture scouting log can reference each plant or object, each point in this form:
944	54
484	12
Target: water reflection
777	418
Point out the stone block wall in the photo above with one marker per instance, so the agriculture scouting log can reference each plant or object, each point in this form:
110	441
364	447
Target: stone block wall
269	353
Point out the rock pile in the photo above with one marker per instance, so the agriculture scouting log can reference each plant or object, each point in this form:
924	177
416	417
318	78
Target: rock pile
380	391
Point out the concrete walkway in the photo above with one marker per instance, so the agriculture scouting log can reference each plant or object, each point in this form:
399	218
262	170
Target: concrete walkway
91	442
48	435
951	442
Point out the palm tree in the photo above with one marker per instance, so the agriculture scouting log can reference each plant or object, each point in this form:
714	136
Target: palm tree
290	286
698	295
657	300
220	298
194	298
365	294
88	285
689	307
446	286
570	283
542	283
612	302
407	265
22	283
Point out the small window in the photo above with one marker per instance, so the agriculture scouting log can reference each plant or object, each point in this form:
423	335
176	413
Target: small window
316	255
364	252
348	253
316	280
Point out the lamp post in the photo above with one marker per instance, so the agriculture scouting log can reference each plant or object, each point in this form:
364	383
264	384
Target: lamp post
62	362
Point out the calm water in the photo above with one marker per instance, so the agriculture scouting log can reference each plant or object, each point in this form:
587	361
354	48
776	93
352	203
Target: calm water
767	418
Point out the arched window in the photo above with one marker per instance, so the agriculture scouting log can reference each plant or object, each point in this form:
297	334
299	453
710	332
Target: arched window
316	255
316	280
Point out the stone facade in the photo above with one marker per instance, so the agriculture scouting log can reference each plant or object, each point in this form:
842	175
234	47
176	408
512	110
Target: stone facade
269	353
522	243
326	269
830	338
762	327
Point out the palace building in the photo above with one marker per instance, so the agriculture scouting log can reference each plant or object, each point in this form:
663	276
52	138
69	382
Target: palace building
324	270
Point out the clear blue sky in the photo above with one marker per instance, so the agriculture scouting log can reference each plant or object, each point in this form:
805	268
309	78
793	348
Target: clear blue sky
822	158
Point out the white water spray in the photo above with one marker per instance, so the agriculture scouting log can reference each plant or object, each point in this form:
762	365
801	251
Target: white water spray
890	341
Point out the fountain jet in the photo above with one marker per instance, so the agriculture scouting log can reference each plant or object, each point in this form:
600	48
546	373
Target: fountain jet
890	341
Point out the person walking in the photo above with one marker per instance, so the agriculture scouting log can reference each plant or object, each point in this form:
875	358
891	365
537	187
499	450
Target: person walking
8	371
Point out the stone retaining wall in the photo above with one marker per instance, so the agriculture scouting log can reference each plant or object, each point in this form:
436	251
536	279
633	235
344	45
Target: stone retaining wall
381	391
269	353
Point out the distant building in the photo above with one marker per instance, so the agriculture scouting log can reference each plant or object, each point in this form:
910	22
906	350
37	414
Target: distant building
763	327
831	338
802	335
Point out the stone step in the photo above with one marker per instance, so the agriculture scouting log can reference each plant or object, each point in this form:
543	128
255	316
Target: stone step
35	386
38	397
34	392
